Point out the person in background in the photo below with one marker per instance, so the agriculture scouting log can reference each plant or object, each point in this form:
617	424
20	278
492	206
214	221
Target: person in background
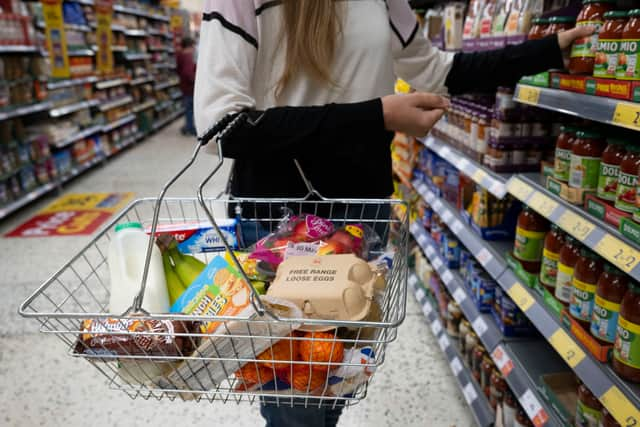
185	61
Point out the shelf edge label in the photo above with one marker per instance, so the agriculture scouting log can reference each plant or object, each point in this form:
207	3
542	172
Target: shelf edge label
620	407
567	348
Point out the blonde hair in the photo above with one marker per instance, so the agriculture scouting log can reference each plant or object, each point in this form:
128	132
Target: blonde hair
310	30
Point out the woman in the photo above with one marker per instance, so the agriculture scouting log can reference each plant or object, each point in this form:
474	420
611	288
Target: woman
316	78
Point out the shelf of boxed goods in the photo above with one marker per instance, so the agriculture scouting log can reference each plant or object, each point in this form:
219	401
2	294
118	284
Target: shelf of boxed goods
85	133
19	49
144	106
171	117
59	84
107	84
474	396
25	110
136	56
495	183
619	397
82	168
120	122
115	103
26	199
141	80
72	108
139	12
598	108
167	84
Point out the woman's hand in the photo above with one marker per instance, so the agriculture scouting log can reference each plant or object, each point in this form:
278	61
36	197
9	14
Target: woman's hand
566	38
413	114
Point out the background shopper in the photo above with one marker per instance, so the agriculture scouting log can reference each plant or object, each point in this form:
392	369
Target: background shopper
186	65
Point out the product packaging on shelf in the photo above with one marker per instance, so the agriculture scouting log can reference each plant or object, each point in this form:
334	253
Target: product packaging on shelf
511	321
201	237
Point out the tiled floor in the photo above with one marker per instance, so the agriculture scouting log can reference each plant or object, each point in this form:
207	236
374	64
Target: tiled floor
41	385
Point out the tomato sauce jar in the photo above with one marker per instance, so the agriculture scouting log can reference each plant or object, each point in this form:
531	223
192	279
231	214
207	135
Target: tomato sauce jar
626	349
628	67
612	157
530	232
564	146
583	51
569	255
612	286
553	243
628	180
538	29
606	61
585	160
585	278
560	23
588	409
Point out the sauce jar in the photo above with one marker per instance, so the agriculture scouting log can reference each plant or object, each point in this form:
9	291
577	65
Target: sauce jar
528	245
509	408
553	242
608	420
498	387
612	157
569	255
464	329
628	179
626	349
478	356
628	67
454	314
611	288
588	409
522	419
585	278
485	376
538	29
583	50
564	146
470	343
585	160
560	23
606	61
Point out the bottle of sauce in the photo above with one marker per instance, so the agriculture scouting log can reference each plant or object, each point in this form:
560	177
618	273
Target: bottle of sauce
583	51
470	343
628	67
606	61
485	378
538	29
612	286
585	278
566	262
564	146
478	356
560	23
530	233
509	408
626	349
498	387
628	179
553	242
589	408
465	328
612	157
585	160
522	419
608	420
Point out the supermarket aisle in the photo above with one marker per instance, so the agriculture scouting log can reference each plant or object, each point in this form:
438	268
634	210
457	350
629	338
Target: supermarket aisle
44	386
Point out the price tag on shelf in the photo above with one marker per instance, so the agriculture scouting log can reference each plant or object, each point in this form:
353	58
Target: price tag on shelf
521	297
484	257
444	342
519	189
447	277
420	293
445	151
528	94
456	366
479	175
615	250
430	252
502	360
437	205
533	408
437	263
415	228
457	227
620	407
459	295
463	164
422	239
427	309
470	394
566	348
576	225
428	196
413	280
627	115
447	216
480	326
497	188
436	327
543	204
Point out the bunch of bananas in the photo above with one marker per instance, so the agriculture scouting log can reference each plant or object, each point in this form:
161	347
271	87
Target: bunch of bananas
180	270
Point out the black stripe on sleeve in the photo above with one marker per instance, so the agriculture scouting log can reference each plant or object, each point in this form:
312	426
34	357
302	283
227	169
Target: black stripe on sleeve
411	37
212	16
267	5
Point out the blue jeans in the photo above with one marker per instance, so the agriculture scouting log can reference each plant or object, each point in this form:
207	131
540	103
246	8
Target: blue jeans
299	416
187	102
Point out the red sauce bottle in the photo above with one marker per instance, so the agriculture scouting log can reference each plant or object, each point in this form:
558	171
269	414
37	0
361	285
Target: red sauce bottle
553	243
569	255
583	50
626	349
585	278
612	286
530	233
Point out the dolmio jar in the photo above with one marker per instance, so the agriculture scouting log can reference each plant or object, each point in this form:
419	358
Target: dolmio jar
628	67
583	51
585	160
609	44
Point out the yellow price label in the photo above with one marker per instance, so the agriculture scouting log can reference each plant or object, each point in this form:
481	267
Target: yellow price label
479	175
620	407
520	296
543	204
576	225
627	115
615	250
567	348
528	94
519	189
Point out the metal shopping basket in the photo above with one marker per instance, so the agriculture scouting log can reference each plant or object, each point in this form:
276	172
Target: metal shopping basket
191	365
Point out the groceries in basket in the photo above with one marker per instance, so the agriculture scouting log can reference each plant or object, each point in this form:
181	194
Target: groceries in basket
198	237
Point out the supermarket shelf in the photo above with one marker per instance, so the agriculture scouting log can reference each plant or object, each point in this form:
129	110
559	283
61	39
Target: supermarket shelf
136	56
121	122
84	2
107	84
68	27
168	119
26	199
597	108
71	82
80	169
78	136
176	95
601	237
109	105
166	65
19	49
163	105
155	32
483	324
72	108
480	408
141	80
25	110
138	12
81	52
144	106
135	33
158	48
165	85
127	142
495	183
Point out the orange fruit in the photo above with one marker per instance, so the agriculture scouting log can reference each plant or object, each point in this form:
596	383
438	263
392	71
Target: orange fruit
252	374
284	351
312	350
302	378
